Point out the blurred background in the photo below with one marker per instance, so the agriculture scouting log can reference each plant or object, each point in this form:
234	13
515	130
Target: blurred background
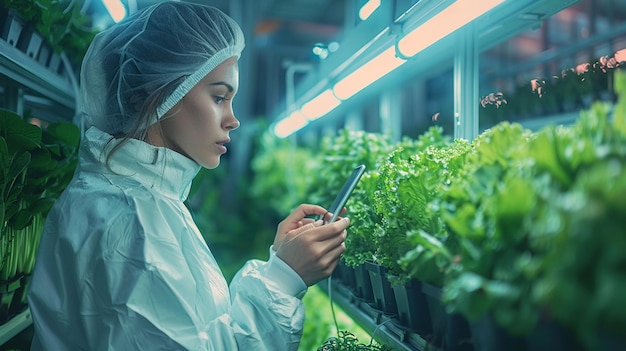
513	63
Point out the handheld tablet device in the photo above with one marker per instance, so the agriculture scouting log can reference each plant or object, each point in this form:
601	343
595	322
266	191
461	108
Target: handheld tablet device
344	194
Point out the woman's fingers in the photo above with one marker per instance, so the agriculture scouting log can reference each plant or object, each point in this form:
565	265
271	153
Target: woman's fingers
329	230
298	218
310	246
307	221
314	249
323	231
305	227
305	210
332	258
334	247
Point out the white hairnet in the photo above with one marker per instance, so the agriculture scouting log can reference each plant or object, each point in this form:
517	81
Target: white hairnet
166	48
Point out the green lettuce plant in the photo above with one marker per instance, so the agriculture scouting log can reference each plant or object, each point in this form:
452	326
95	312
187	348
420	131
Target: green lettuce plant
484	209
346	341
582	238
340	154
36	166
539	229
408	181
427	174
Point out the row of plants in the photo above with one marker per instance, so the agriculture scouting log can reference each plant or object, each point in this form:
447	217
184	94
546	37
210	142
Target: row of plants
270	191
509	240
36	165
569	91
531	222
379	222
283	175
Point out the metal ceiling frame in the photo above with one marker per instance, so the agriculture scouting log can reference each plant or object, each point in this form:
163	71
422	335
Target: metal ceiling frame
461	49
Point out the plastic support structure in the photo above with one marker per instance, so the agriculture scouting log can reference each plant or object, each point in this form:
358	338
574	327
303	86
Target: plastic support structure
15	325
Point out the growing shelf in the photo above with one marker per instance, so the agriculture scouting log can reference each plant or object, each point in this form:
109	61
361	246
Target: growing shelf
34	79
35	82
14	326
382	327
29	73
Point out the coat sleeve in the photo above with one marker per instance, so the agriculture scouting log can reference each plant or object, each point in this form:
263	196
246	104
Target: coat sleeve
257	295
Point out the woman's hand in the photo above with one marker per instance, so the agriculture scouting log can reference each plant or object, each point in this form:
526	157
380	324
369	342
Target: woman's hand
297	219
313	250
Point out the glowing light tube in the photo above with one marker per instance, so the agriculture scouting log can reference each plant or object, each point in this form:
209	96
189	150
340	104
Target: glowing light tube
455	16
367	74
369	8
320	105
116	9
289	125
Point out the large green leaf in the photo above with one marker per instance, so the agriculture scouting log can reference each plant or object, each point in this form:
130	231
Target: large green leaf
20	136
22	219
18	165
4	156
65	133
2	210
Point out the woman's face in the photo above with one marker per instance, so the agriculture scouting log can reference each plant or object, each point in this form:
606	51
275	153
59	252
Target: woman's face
199	125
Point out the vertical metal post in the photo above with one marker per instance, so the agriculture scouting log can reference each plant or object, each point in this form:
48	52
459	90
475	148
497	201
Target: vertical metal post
290	87
14	99
466	85
291	69
391	114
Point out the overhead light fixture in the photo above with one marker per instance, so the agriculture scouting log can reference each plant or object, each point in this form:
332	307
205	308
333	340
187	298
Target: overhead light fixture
367	74
369	8
116	9
320	105
314	109
292	123
453	17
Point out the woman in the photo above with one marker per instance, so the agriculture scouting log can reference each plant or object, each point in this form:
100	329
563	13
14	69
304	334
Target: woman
122	265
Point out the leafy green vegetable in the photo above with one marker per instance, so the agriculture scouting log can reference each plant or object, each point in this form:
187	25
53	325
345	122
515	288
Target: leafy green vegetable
341	154
538	219
407	187
347	341
36	167
583	270
484	209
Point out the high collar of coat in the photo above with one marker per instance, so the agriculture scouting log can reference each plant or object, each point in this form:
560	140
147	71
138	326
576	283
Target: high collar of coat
157	168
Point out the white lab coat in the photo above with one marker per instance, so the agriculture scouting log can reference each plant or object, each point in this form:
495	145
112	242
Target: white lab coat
122	266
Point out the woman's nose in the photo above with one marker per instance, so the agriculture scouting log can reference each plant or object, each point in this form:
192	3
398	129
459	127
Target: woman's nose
231	122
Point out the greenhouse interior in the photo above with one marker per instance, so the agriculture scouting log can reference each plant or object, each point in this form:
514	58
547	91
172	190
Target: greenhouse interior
493	135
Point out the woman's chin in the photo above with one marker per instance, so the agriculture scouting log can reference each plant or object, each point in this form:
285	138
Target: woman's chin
212	164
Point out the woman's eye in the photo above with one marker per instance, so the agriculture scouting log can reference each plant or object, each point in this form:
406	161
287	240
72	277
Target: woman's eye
218	99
